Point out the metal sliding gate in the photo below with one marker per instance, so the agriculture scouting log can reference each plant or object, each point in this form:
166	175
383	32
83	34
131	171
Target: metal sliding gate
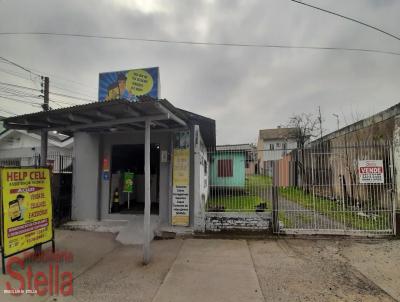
343	188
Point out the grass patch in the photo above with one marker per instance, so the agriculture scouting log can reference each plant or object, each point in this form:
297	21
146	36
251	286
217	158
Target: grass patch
258	181
335	211
245	200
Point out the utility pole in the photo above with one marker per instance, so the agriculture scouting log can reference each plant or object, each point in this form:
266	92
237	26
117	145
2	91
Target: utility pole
320	120
45	106
43	139
46	94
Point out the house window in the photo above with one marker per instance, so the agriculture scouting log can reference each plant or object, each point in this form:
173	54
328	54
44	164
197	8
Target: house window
225	168
271	147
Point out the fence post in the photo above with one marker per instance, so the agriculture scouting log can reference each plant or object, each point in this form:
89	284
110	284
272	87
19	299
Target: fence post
396	161
275	210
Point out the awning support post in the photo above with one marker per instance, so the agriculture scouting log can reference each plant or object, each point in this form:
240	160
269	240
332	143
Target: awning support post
147	202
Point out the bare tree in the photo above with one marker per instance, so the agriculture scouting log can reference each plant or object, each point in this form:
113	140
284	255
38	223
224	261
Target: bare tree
307	126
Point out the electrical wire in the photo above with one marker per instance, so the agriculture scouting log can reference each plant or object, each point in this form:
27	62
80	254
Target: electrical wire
33	104
62	102
70	90
69	80
9	72
19	66
30	71
348	18
19	86
187	42
16	92
72	97
33	89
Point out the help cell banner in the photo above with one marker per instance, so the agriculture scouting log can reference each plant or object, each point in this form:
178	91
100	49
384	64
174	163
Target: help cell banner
26	217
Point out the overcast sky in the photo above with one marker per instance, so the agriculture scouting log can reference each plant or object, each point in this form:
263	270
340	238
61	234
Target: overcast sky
243	89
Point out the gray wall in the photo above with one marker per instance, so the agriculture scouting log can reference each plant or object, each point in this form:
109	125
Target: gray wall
85	176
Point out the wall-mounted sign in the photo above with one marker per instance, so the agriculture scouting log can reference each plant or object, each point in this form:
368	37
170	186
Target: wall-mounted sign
106	164
180	179
128	182
371	172
106	175
129	84
26	216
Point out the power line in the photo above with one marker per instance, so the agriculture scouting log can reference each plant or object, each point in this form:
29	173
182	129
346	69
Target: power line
366	50
348	18
12	73
71	97
31	70
19	66
33	104
57	101
70	90
69	80
37	74
19	86
33	89
19	93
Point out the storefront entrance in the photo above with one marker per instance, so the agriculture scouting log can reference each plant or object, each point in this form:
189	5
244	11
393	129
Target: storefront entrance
127	179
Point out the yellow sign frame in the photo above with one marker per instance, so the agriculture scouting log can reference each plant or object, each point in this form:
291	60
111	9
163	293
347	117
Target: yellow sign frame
28	215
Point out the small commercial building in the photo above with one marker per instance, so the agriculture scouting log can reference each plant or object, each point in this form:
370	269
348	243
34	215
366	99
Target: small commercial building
112	142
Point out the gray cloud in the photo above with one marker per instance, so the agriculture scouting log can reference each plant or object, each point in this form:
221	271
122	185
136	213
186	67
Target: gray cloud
244	89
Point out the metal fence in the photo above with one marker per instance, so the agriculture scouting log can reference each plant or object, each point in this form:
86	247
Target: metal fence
235	182
342	188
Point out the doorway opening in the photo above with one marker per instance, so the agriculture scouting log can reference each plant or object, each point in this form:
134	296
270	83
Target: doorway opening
127	179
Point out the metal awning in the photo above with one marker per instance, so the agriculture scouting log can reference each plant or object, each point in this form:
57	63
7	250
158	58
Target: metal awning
113	116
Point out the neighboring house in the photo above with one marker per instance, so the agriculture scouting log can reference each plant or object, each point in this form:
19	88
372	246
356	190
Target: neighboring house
230	164
274	144
22	148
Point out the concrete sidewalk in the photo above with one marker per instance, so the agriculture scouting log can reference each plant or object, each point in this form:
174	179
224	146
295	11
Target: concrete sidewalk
211	270
224	270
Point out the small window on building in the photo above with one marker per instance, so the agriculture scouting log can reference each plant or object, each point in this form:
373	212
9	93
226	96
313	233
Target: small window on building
271	147
225	168
284	146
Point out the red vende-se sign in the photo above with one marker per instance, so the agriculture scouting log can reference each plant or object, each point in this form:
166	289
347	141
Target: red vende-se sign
371	171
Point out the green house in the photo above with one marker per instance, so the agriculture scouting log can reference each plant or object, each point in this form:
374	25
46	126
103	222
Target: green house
228	166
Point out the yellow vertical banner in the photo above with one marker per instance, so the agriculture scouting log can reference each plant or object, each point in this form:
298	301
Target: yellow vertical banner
26	203
180	187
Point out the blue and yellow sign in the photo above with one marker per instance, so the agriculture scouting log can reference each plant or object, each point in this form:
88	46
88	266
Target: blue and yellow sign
129	84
